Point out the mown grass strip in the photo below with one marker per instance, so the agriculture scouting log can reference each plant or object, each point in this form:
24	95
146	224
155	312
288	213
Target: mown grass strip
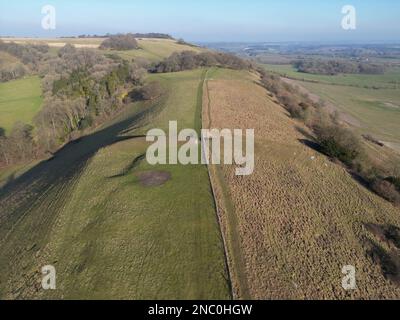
231	238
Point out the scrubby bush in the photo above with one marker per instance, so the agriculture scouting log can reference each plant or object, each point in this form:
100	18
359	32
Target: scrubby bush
30	55
387	190
147	92
120	42
395	181
339	142
12	71
18	146
68	49
297	104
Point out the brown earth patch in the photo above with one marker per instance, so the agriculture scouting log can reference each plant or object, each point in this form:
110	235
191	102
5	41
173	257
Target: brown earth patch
153	178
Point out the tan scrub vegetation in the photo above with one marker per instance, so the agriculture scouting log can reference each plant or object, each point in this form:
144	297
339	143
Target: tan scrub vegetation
292	225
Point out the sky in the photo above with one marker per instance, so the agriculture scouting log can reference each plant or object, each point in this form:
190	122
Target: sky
208	20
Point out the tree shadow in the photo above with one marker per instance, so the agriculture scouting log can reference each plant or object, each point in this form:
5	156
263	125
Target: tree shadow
20	194
311	144
305	133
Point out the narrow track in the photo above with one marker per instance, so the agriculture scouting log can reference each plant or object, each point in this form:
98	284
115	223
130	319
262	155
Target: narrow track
234	265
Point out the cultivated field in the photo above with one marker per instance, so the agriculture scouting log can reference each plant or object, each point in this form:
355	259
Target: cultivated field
292	225
113	226
20	100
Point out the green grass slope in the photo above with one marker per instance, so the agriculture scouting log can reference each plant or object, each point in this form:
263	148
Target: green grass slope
156	49
20	100
108	236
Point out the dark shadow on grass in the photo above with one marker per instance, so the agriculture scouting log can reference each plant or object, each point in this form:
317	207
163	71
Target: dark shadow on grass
135	163
21	194
305	133
387	260
362	181
311	144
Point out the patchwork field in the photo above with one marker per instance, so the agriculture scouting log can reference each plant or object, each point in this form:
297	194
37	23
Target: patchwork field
299	219
20	100
113	226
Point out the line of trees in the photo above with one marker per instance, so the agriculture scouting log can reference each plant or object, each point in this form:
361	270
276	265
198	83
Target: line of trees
27	60
334	67
30	55
19	145
188	60
12	71
151	35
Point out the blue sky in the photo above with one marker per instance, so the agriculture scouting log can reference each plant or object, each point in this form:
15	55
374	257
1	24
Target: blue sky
208	20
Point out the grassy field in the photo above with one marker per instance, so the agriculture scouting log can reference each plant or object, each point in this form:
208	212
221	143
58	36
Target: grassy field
20	100
378	111
294	223
389	80
156	49
107	234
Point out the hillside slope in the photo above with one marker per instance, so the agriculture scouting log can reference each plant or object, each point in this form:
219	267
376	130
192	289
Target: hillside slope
20	100
299	219
113	226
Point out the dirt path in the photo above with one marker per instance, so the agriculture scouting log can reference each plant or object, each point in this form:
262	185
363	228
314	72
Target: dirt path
225	215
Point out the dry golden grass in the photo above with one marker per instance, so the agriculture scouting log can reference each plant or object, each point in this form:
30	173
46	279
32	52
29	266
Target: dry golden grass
92	43
292	225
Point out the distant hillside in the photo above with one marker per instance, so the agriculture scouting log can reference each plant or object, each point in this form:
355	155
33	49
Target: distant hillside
151	35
